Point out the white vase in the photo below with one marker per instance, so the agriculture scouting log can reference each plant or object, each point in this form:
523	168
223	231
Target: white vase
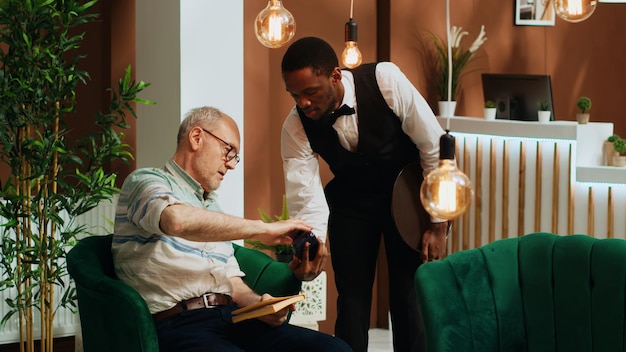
447	108
490	113
543	116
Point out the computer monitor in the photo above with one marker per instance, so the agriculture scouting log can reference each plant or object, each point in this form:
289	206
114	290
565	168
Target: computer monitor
517	96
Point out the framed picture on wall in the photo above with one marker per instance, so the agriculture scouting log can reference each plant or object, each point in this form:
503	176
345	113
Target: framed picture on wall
534	13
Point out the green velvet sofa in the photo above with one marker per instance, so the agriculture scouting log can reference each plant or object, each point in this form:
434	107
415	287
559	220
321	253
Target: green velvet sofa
538	292
113	315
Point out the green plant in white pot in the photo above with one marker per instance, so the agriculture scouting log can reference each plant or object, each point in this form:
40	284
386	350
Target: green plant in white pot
584	105
490	110
619	144
461	56
543	112
51	179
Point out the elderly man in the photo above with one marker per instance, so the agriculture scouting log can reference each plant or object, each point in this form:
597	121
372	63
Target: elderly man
172	244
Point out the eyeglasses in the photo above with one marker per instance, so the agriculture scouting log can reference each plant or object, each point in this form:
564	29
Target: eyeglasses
231	153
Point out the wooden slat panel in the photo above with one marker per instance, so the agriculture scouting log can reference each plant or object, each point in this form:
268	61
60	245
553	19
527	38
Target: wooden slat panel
505	189
466	216
478	191
590	216
610	220
555	189
539	162
571	200
492	192
521	200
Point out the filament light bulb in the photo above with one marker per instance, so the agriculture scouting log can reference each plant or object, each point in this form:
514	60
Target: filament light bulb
574	10
274	26
351	56
446	192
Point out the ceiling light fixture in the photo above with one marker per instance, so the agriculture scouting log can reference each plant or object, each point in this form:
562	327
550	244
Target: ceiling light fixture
351	56
446	192
574	10
274	26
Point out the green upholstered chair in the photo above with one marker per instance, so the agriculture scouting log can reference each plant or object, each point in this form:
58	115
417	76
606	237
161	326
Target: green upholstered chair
538	292
113	315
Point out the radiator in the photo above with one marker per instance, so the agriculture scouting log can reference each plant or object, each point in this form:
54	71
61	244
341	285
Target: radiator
100	221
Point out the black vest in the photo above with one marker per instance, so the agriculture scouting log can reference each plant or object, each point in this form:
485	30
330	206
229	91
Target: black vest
383	148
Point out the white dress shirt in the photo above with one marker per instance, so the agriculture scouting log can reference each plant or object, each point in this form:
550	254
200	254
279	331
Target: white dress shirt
303	186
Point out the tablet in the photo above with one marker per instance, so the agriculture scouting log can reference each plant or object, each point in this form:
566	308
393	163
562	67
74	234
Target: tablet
409	215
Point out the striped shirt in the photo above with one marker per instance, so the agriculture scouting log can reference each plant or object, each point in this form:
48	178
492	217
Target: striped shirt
167	269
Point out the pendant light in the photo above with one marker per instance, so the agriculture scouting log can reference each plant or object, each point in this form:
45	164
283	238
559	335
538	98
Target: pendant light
574	10
274	26
446	191
351	56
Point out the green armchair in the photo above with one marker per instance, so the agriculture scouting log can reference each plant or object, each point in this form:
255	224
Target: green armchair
538	292
113	315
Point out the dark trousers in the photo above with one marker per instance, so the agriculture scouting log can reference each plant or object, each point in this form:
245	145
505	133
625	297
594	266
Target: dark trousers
212	330
354	244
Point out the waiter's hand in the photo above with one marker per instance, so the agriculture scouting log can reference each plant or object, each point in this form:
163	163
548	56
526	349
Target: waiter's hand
305	269
434	242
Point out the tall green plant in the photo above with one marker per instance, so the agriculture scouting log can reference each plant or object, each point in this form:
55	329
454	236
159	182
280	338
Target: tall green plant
460	58
52	179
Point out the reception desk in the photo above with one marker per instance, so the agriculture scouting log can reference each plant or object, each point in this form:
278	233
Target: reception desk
531	176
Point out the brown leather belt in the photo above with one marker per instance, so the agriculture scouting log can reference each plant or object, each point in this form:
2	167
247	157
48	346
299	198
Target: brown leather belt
207	300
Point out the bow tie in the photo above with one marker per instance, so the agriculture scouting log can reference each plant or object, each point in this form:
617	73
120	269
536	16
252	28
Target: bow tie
343	110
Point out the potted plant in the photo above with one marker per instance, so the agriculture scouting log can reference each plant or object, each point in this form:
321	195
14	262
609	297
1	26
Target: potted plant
584	105
282	252
543	114
619	144
490	110
460	58
49	179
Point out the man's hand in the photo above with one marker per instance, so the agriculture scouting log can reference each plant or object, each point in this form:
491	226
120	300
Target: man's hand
434	242
305	269
277	318
275	231
244	296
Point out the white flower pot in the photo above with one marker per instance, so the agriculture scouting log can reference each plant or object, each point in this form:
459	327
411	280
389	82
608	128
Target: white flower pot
490	113
543	116
447	108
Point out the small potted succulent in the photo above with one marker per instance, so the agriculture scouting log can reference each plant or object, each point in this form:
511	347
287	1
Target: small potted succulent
584	105
543	114
619	144
490	110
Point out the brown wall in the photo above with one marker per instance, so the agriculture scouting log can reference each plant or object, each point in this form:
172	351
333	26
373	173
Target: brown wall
110	47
